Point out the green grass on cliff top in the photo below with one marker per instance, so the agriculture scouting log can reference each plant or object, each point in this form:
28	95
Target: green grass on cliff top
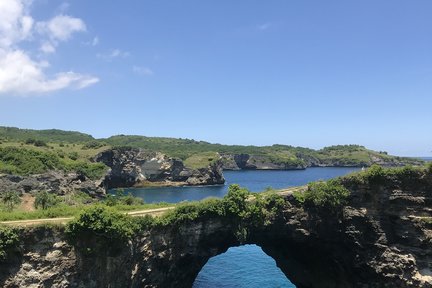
195	153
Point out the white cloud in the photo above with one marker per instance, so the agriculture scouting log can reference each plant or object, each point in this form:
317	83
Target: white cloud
264	26
61	27
142	70
19	73
95	41
115	53
47	47
15	22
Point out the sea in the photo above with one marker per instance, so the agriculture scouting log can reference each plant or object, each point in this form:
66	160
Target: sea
245	266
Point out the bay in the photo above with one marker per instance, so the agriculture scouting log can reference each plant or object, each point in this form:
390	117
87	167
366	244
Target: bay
244	266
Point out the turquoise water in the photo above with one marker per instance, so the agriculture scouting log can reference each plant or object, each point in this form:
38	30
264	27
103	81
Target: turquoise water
254	180
245	266
242	267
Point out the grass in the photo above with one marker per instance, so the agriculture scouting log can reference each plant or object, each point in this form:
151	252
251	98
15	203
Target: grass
201	160
64	210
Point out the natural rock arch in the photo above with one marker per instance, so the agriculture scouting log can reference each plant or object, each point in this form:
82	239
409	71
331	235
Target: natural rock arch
383	238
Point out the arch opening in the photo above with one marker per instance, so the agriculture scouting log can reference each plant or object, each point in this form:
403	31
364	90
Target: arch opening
242	266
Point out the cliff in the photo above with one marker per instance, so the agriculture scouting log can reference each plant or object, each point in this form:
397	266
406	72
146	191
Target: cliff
134	167
381	238
57	182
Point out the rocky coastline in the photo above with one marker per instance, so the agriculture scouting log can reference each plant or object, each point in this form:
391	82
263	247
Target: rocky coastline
381	238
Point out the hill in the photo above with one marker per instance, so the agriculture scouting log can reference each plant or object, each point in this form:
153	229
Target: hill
200	153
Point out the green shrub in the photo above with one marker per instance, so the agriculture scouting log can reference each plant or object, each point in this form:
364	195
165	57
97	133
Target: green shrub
10	199
37	143
328	194
93	145
235	200
92	171
45	200
9	239
100	228
73	155
25	161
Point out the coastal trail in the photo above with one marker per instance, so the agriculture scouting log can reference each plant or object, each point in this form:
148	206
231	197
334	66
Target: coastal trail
64	220
151	212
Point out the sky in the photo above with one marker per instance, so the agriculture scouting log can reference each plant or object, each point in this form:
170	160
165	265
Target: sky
304	73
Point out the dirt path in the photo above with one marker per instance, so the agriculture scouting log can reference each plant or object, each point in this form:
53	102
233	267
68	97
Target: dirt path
64	220
152	212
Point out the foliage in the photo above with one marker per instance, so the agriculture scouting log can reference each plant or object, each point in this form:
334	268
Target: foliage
201	160
8	239
93	145
10	199
23	161
429	167
92	171
51	135
37	143
330	194
65	209
103	223
120	198
45	200
235	200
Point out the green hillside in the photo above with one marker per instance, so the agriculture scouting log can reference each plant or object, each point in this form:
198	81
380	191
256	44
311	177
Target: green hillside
51	135
76	146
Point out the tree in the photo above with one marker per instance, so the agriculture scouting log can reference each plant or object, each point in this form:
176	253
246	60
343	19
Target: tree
45	200
11	199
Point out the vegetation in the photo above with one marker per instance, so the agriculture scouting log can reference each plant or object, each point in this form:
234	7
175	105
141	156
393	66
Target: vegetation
45	200
25	161
61	149
120	198
51	135
10	199
8	240
330	194
201	160
100	226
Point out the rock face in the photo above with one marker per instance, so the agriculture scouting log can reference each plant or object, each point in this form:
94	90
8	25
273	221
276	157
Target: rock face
54	181
261	162
383	238
256	162
136	167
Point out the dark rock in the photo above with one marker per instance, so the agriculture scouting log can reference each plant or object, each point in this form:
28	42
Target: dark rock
380	240
54	181
137	167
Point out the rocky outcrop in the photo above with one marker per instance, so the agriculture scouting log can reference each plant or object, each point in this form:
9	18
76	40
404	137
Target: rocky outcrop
54	181
303	161
383	238
258	162
133	167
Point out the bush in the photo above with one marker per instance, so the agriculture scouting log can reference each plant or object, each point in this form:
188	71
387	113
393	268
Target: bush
8	240
10	199
37	143
73	155
45	200
328	194
92	171
121	199
235	200
101	228
93	145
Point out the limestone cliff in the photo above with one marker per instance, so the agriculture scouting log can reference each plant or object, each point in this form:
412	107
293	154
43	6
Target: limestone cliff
57	182
383	238
303	161
134	167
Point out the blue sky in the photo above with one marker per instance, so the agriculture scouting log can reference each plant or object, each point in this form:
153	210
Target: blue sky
304	73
